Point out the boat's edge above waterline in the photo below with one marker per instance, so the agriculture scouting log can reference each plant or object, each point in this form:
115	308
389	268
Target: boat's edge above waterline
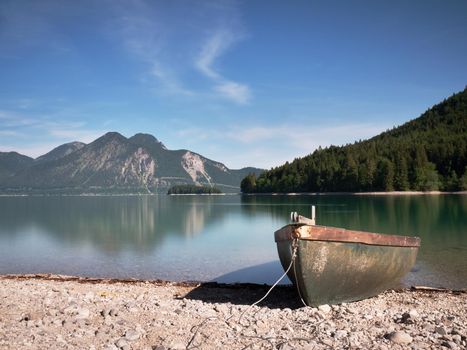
335	234
334	265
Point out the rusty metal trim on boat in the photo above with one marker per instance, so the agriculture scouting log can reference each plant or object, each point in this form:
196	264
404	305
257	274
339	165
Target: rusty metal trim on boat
334	234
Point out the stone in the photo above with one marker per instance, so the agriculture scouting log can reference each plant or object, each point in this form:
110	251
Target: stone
341	334
449	344
105	312
132	335
324	308
414	314
113	312
457	338
441	330
82	313
158	347
400	337
110	347
121	342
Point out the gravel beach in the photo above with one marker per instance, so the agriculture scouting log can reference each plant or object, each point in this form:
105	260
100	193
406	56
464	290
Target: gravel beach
57	312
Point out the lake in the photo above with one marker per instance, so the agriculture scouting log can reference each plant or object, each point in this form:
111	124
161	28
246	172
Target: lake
222	238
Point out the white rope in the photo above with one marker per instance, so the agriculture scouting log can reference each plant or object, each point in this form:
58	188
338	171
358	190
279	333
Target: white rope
292	260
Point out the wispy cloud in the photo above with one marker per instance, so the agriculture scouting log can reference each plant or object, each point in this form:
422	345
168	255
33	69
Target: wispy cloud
9	119
267	146
307	138
41	132
169	81
32	150
10	133
214	47
175	48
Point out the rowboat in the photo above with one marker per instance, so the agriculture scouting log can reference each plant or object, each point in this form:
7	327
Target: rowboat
331	265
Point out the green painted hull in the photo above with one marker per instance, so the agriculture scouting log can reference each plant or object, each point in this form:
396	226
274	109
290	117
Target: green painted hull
329	272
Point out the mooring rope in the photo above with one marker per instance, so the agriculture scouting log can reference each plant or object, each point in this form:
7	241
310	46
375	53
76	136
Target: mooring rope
292	263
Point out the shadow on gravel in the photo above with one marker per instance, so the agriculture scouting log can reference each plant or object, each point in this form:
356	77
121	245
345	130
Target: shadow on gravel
225	289
246	294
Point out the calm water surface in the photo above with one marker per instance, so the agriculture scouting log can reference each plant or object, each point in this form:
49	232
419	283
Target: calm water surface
223	238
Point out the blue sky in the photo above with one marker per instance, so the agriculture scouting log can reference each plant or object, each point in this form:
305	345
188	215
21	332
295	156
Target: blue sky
247	83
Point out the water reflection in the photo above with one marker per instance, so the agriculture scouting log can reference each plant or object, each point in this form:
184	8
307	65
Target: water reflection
110	223
200	237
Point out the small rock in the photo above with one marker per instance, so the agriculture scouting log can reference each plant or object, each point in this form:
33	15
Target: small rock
449	344
105	312
132	335
400	337
237	327
121	342
221	308
113	312
324	308
177	345
158	347
441	330
414	314
82	313
405	318
457	338
99	334
110	347
341	334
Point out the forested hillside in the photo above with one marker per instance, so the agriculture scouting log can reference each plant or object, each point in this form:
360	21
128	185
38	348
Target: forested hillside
427	153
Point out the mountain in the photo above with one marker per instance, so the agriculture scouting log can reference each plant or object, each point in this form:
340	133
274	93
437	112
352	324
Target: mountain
60	151
116	164
11	162
427	153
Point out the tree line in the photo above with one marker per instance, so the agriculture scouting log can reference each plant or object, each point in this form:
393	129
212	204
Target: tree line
428	153
193	189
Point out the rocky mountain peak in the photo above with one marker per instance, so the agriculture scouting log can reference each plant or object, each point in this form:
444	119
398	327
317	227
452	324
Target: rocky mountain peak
147	140
61	151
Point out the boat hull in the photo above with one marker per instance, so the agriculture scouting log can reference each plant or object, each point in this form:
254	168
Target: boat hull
333	271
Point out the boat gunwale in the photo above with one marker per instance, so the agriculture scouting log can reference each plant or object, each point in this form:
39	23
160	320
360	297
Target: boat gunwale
335	234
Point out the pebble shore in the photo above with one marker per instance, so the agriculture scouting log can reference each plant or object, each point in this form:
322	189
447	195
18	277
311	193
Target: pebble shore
65	313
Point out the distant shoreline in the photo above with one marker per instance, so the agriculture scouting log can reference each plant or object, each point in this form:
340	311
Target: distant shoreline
392	193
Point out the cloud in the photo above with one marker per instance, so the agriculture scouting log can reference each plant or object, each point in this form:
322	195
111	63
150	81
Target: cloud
10	133
35	135
172	42
10	119
169	81
307	138
239	93
272	145
213	48
32	150
75	134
